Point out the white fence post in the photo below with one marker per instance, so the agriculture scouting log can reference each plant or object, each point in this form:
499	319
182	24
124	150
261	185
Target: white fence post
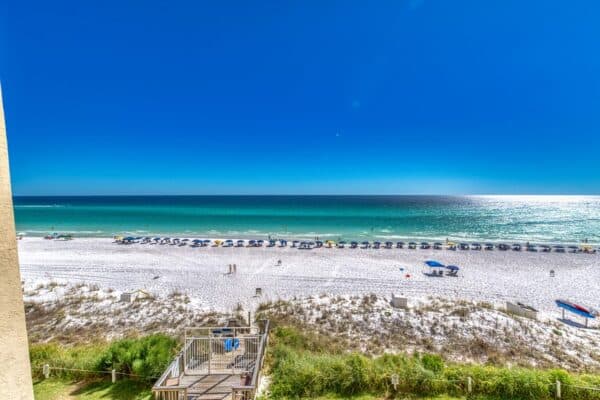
114	375
469	385
46	371
558	391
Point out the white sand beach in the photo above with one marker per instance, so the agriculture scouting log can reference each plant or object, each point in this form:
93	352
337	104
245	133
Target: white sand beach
492	276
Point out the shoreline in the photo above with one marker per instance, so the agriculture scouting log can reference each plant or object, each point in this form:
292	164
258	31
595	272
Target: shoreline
24	234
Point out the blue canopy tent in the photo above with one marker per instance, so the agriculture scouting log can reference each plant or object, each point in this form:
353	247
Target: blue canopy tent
434	264
435	268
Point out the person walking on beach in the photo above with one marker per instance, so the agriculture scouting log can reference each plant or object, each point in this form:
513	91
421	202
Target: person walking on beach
234	268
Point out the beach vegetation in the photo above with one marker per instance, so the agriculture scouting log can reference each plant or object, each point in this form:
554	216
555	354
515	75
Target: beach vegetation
143	358
302	366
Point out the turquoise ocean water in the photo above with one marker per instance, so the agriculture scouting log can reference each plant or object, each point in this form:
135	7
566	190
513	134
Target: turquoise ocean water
566	219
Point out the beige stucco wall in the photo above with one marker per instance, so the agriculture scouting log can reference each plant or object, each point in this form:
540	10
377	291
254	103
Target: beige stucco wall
15	373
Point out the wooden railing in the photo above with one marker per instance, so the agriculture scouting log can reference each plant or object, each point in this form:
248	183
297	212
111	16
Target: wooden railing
168	386
248	392
161	389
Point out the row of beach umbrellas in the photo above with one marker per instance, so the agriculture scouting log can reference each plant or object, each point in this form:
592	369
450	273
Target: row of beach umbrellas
354	244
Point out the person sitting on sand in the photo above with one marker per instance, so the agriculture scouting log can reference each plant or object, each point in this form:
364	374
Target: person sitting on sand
279	262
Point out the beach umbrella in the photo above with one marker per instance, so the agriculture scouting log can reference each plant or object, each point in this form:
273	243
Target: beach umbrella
452	268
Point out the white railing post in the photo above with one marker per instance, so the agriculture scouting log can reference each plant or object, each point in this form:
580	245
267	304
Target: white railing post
209	353
46	371
469	385
558	391
113	374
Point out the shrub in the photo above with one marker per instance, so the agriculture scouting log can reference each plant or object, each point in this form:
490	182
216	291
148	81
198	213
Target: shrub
146	357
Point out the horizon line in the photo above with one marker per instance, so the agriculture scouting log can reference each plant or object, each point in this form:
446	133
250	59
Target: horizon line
312	194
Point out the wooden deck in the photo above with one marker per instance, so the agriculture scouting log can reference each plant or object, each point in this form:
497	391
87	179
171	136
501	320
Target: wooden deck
210	387
211	367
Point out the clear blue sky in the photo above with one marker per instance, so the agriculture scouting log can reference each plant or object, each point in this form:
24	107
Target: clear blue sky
225	97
